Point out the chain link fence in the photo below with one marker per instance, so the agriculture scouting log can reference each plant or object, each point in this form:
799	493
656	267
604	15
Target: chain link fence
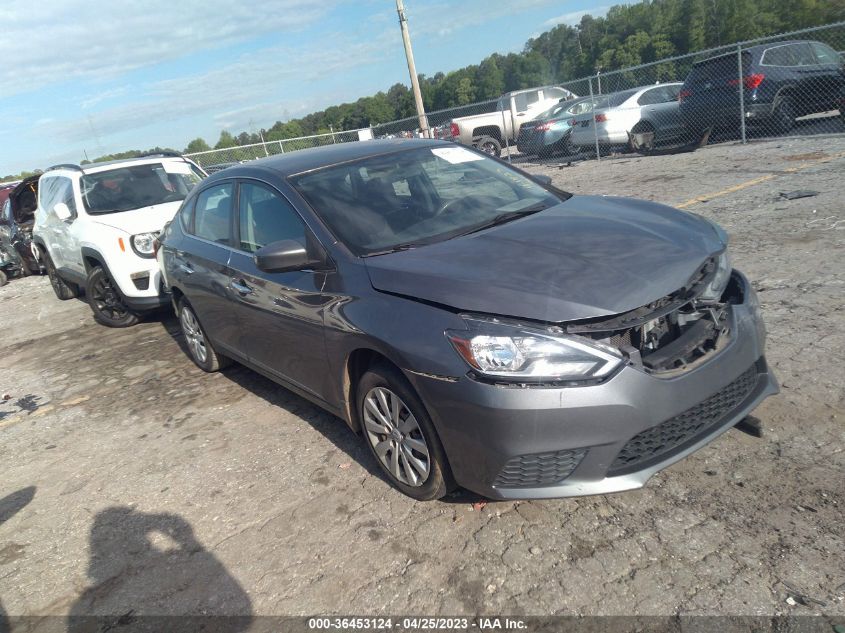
790	84
216	159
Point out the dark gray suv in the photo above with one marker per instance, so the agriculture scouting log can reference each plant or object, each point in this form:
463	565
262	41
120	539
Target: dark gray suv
476	325
781	81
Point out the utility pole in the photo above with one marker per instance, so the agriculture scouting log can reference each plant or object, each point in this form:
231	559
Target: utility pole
412	69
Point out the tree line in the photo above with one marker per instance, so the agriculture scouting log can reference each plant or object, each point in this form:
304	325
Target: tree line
628	35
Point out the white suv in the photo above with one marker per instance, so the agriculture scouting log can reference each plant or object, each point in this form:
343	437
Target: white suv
95	228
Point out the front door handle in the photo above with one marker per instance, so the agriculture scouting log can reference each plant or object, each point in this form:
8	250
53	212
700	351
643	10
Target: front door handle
186	268
239	286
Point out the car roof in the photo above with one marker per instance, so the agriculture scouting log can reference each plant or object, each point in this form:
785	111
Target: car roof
305	160
92	168
516	92
757	48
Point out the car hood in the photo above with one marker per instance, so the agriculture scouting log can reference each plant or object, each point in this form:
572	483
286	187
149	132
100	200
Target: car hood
144	220
586	257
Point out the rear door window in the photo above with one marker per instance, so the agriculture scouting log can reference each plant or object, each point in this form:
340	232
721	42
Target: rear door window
525	100
213	214
653	96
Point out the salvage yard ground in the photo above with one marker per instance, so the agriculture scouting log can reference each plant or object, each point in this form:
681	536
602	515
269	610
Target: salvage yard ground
131	480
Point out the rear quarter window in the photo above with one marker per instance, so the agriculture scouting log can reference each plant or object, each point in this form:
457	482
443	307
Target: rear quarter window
789	56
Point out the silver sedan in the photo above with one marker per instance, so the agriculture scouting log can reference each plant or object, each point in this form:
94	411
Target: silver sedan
646	110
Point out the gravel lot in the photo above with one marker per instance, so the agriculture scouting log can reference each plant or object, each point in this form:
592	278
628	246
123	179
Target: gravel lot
133	481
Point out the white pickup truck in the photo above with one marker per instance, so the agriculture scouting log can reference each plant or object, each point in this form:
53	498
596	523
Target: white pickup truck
488	132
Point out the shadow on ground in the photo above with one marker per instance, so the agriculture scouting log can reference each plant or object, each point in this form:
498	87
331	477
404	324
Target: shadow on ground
148	572
10	505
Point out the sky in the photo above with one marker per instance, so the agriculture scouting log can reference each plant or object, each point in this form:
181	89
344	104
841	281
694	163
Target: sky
90	77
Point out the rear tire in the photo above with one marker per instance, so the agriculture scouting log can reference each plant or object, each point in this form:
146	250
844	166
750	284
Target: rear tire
106	302
489	145
64	289
199	347
3	278
644	128
406	446
784	116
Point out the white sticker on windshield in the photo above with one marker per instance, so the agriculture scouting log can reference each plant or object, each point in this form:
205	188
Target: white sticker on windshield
456	155
177	167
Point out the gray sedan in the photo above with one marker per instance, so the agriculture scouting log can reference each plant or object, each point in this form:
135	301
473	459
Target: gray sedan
474	324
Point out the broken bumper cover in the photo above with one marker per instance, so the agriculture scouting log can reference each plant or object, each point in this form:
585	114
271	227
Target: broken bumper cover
512	442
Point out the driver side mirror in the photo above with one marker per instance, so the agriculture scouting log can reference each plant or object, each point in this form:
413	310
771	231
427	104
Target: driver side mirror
287	255
544	180
62	211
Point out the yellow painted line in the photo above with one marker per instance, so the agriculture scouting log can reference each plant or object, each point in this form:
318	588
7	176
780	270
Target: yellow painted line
757	181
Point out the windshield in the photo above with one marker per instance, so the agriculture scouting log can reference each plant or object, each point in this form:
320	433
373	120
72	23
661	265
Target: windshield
137	186
419	196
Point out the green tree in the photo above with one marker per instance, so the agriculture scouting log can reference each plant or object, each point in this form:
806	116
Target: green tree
465	92
226	140
197	145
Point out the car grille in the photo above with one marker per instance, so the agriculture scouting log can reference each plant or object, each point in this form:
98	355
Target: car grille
540	469
657	443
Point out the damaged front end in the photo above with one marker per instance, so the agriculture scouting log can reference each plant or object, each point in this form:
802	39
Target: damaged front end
677	332
16	222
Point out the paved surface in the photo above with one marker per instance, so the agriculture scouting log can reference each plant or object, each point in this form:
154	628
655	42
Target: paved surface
131	480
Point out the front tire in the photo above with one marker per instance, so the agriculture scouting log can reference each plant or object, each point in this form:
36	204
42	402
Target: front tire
199	348
397	429
64	289
3	278
106	302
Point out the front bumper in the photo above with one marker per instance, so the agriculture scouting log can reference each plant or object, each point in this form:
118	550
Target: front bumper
141	288
511	442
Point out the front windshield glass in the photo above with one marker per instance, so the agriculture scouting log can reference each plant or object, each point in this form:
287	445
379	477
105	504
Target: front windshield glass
137	186
419	196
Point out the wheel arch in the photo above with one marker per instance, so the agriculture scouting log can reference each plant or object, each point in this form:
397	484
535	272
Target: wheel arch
92	258
788	91
643	123
487	130
358	361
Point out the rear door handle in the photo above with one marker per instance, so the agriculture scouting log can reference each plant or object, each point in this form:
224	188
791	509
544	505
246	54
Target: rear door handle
186	268
239	286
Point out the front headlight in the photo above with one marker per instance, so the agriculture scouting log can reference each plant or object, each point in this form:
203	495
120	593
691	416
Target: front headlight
713	292
142	244
528	354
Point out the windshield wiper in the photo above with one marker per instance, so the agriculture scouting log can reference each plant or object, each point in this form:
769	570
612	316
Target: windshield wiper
395	249
508	216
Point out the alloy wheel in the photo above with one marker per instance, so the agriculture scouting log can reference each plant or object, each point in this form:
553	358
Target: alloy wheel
193	335
396	437
106	299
